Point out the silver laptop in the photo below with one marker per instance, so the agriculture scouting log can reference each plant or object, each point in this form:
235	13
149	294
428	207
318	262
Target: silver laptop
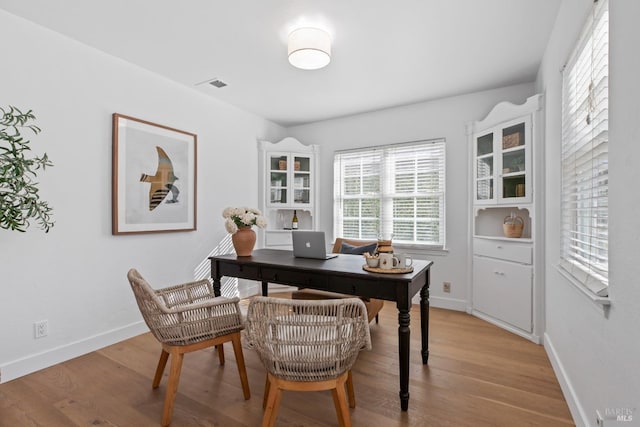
310	244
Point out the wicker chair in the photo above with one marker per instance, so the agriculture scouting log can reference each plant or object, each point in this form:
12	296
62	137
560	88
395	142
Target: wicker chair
308	345
186	318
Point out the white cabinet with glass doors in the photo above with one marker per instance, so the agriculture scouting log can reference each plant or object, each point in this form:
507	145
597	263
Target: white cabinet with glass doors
506	268
288	181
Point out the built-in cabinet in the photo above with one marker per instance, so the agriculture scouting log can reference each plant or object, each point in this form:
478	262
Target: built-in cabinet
288	177
505	274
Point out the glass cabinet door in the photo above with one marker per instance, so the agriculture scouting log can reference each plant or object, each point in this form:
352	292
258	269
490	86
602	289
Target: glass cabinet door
301	180
278	179
484	166
514	162
502	164
290	180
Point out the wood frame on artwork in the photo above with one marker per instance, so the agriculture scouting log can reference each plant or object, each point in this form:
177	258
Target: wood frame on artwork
154	177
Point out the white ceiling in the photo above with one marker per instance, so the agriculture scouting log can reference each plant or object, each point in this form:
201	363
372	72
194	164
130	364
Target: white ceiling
384	53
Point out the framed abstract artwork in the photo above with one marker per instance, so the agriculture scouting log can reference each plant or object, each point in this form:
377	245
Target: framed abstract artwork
154	177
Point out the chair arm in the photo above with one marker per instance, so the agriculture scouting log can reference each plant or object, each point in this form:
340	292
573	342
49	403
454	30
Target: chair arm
191	296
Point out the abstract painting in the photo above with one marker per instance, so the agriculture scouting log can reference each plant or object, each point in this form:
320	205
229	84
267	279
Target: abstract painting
154	177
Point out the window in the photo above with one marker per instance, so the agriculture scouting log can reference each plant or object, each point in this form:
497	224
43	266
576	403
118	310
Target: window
585	165
393	189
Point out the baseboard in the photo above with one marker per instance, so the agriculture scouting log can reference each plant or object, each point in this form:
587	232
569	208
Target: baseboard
577	411
35	362
448	303
505	326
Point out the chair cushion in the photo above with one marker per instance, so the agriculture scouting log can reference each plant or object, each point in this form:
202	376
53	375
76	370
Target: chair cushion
346	248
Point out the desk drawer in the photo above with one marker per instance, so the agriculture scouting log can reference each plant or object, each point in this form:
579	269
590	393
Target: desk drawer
508	251
240	271
294	278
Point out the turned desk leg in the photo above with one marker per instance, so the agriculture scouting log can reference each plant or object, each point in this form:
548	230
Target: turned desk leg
216	286
424	321
404	333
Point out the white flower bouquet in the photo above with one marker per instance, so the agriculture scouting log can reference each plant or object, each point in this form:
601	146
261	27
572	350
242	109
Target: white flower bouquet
242	217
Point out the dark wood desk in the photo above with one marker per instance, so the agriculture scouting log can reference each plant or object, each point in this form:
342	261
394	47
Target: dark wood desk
343	274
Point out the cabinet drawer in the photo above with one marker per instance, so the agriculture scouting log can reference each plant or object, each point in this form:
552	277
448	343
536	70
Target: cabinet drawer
503	290
515	252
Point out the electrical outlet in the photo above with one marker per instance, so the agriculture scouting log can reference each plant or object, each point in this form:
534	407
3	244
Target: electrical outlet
41	328
446	287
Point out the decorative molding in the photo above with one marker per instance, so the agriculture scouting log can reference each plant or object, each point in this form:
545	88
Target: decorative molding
570	395
506	326
53	356
446	303
505	110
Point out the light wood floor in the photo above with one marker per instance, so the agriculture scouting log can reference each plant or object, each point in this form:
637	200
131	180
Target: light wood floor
478	375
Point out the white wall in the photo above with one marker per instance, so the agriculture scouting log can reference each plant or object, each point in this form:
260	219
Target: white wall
596	354
75	276
446	118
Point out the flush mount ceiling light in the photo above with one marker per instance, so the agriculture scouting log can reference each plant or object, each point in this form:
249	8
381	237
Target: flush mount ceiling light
309	48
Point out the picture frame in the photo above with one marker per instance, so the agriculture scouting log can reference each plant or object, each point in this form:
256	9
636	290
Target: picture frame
154	177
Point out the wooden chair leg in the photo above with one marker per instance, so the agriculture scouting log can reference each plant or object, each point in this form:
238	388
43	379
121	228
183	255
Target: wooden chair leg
164	356
172	385
220	349
242	370
273	403
267	385
350	392
340	402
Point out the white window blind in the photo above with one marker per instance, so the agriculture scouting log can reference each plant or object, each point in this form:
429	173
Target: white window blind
394	189
585	165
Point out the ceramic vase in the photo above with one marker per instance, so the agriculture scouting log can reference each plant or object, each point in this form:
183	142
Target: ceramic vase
244	240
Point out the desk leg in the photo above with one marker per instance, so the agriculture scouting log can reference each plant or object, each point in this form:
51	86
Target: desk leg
265	289
424	321
216	286
404	334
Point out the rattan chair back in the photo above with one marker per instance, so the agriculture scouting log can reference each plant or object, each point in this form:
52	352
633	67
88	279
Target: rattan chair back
307	340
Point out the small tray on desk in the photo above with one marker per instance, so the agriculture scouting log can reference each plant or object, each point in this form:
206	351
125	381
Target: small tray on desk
389	271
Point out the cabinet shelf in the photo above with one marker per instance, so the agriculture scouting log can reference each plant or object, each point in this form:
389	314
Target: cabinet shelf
504	239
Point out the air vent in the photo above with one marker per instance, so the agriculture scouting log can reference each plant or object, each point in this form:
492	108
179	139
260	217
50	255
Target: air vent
217	83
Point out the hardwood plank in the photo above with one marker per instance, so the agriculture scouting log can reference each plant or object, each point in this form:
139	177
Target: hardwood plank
478	375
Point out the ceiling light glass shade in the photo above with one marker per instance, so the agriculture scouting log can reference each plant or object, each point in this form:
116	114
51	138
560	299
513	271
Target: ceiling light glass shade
309	48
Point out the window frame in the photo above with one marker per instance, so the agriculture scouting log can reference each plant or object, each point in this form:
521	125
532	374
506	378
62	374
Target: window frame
584	159
385	155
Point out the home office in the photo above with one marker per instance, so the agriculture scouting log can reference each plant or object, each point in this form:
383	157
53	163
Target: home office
75	275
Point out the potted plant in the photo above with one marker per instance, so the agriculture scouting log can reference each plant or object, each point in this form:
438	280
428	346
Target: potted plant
238	222
19	194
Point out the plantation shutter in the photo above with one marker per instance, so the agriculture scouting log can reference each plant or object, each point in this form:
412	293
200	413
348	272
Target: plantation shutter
585	165
394	189
357	177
